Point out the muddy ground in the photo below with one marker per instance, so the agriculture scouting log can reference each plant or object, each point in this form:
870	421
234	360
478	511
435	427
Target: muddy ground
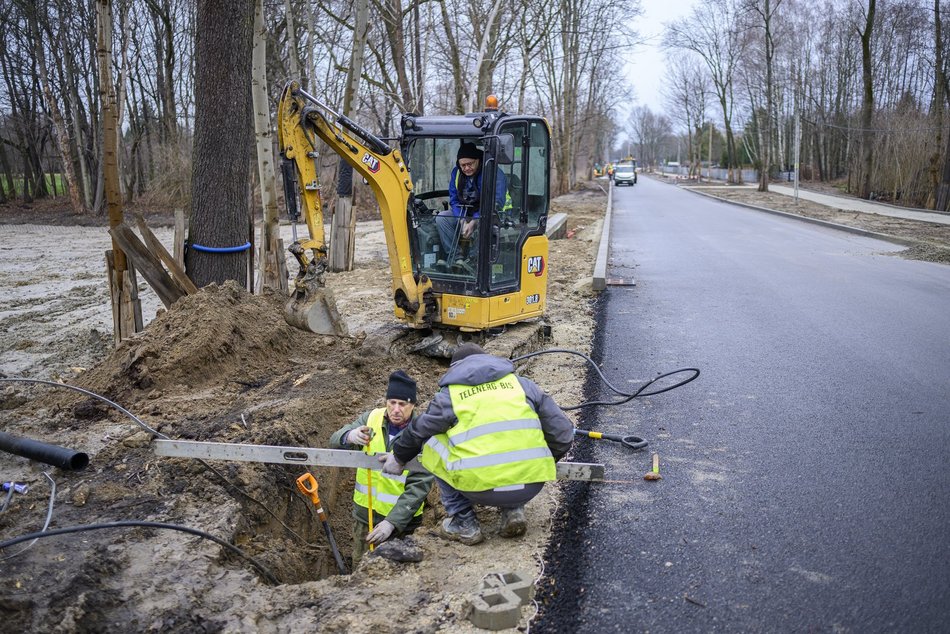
223	366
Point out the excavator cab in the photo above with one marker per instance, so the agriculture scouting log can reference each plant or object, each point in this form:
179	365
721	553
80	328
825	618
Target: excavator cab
496	273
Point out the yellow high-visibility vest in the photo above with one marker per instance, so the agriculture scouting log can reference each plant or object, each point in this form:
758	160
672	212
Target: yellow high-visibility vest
386	487
497	442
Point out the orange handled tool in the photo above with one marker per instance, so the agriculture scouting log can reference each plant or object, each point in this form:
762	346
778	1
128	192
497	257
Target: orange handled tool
308	486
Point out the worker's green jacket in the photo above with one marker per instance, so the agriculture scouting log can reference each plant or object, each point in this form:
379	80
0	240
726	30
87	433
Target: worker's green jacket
417	485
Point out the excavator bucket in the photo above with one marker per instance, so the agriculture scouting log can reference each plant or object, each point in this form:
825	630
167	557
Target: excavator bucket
315	310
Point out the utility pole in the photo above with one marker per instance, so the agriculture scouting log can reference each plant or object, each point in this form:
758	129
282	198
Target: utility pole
343	224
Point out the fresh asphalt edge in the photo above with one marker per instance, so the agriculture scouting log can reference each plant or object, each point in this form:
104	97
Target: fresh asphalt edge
560	593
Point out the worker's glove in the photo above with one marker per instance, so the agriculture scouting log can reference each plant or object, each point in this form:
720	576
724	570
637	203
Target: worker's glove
390	464
359	436
380	533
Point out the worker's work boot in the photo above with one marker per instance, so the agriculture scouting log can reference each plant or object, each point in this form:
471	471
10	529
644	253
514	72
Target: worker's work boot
513	523
462	527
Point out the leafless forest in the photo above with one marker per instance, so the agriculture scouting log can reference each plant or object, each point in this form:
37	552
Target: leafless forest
855	91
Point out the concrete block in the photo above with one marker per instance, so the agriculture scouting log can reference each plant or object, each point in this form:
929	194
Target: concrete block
518	582
496	609
557	226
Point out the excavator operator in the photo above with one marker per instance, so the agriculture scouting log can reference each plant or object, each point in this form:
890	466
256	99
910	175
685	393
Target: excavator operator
457	224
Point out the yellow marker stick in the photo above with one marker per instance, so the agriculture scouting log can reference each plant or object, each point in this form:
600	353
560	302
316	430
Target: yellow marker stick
656	463
369	488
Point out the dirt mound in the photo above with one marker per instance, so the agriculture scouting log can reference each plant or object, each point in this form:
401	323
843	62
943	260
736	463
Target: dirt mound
220	333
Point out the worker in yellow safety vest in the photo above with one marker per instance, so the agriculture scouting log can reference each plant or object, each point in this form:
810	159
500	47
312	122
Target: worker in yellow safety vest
490	437
397	499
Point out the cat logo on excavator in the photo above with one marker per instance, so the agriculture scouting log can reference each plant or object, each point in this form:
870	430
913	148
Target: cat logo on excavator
372	163
536	265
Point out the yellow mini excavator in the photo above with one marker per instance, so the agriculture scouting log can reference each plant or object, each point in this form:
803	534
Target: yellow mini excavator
481	269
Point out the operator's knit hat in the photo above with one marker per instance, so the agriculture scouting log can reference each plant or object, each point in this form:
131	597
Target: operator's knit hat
466	350
401	386
469	151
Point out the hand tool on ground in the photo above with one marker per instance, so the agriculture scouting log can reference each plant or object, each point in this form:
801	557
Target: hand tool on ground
633	442
307	456
654	474
308	486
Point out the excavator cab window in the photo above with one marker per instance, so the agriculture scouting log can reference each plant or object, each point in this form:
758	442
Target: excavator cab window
487	259
527	180
440	250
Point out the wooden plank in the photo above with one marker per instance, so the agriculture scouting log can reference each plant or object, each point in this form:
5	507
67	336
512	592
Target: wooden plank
123	294
164	285
180	238
132	290
157	248
280	254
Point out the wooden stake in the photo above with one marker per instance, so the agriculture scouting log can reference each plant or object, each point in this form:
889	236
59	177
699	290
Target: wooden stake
655	473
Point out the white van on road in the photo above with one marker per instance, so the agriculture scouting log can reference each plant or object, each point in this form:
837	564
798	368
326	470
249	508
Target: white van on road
625	173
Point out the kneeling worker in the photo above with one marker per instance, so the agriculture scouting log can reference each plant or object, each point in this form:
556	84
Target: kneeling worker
397	498
490	437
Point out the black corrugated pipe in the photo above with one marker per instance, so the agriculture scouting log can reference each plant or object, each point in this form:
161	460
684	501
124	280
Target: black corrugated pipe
50	454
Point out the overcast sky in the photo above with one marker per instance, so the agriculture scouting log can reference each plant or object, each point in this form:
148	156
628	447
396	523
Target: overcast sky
645	65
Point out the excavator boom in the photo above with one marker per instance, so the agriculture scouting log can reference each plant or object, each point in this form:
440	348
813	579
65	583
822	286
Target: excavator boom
302	119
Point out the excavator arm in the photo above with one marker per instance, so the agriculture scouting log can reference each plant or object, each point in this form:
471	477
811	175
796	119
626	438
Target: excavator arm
301	120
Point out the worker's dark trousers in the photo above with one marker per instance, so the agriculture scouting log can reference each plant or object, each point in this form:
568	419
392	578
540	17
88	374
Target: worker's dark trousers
449	227
456	502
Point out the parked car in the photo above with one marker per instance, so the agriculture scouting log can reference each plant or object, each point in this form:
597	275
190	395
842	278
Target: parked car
625	173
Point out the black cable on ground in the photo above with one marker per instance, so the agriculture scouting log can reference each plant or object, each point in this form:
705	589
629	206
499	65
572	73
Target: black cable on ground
6	502
227	483
629	441
627	396
130	523
49	516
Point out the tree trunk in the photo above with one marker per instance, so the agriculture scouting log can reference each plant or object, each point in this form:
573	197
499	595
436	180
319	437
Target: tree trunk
165	51
222	142
867	107
458	80
126	308
270	273
392	21
939	186
293	55
343	224
59	124
767	127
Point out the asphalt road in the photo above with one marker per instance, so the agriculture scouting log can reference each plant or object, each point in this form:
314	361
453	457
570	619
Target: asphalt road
806	472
